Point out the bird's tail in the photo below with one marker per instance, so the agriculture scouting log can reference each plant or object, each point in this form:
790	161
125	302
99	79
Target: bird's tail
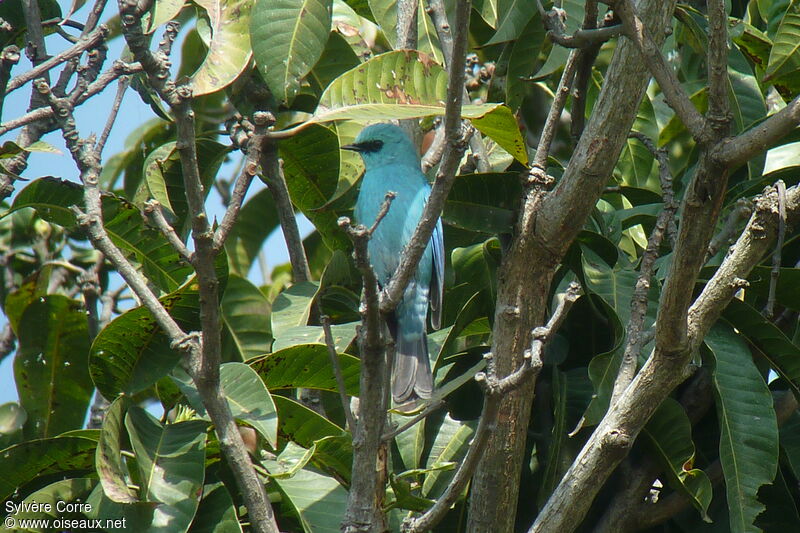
411	373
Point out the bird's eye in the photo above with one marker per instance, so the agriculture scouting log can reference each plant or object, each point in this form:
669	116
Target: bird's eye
371	146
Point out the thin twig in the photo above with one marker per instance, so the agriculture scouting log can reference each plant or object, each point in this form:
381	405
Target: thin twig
494	391
122	86
560	98
775	273
382	212
261	121
425	413
92	40
42	114
154	210
393	293
639	299
730	229
337	372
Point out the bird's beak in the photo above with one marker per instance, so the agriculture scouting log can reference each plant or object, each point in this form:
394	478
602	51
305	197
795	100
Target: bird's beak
352	147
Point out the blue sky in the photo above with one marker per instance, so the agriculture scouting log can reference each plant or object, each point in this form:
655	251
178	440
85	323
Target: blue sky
91	118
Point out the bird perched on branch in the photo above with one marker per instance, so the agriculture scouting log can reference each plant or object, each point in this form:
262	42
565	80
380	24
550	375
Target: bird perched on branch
392	164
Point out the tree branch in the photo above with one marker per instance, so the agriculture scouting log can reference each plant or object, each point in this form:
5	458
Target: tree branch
261	122
205	374
91	41
454	149
154	209
495	388
673	91
276	183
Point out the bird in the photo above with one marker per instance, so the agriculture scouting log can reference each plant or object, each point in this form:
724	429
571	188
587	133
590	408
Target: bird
392	164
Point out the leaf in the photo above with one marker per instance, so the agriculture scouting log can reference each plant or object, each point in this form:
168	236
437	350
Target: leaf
258	218
163	178
306	366
293	306
170	459
409	84
784	58
12	418
32	459
524	57
246	395
51	366
310	168
298	423
334	454
485	203
52	500
343	336
635	165
772	345
110	466
245	317
427	38
133	352
161	12
451	442
291	459
787	290
318	500
748	445
216	513
668	435
229	51
51	197
338	57
384	12
477	265
513	17
288	38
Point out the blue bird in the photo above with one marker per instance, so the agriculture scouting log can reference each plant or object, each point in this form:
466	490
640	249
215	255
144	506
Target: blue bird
392	164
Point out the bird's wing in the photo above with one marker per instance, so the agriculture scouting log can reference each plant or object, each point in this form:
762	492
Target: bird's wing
437	279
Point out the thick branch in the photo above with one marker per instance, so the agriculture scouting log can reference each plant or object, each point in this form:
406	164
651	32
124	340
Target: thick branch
718	104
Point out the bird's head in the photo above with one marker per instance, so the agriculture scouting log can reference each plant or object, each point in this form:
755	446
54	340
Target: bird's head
382	144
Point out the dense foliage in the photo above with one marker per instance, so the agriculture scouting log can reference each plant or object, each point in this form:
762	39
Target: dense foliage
723	445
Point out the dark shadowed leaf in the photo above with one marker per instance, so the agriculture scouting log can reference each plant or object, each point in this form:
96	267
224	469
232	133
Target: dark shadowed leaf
306	366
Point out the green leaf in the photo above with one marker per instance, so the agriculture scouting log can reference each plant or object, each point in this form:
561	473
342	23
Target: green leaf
163	178
229	51
245	316
748	446
216	513
343	336
111	469
51	366
603	368
12	418
668	435
292	307
427	38
32	459
318	500
51	501
170	459
161	12
787	290
384	12
247	397
450	444
524	57
257	219
334	454
34	287
288	38
306	366
784	58
291	459
635	165
133	352
297	423
485	203
513	17
338	57
51	197
310	166
772	345
487	10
